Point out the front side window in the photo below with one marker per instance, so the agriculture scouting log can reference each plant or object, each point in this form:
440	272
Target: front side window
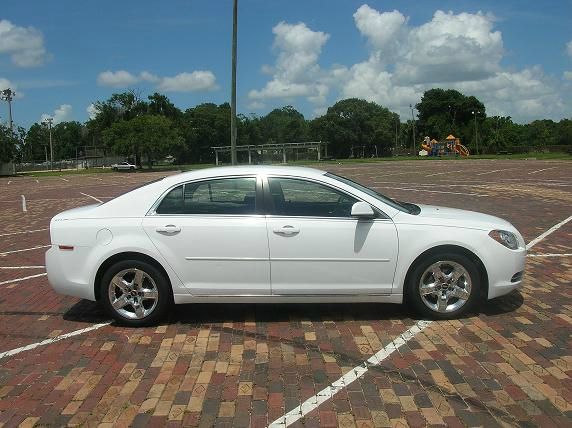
218	196
296	197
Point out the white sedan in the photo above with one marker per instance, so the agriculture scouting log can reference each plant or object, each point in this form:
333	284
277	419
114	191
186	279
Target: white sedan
123	166
277	234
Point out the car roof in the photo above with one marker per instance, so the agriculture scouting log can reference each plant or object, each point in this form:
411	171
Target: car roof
223	171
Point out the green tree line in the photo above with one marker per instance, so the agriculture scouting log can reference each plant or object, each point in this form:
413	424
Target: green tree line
151	128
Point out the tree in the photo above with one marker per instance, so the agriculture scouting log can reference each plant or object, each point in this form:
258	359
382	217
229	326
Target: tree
161	105
8	144
355	126
284	125
442	112
150	135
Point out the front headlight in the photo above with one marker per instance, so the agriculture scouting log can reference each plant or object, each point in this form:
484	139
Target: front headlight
508	239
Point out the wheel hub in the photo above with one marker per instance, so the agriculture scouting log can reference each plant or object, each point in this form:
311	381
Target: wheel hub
445	286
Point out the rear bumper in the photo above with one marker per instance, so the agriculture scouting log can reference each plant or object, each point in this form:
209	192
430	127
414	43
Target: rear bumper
67	273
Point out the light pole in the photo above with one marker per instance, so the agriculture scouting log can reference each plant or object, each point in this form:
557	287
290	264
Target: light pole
413	122
49	122
233	88
476	134
8	95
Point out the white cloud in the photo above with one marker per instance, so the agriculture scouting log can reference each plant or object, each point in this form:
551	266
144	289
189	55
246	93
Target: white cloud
255	105
117	79
61	114
459	51
200	80
24	45
569	48
189	82
91	111
296	72
567	75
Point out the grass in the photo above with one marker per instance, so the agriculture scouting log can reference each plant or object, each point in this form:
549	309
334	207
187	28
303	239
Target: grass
188	167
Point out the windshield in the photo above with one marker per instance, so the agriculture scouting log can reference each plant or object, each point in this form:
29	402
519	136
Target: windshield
386	200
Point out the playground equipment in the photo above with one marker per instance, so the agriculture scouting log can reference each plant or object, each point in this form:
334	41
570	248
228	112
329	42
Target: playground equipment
451	146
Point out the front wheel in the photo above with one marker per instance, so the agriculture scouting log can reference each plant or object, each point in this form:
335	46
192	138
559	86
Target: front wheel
444	286
135	293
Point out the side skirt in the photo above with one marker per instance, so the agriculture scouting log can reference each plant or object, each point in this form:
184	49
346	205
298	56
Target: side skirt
346	298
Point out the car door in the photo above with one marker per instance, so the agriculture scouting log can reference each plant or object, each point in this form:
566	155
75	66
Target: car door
316	247
211	234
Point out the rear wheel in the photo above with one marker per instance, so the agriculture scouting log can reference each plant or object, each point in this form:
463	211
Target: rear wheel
135	293
444	286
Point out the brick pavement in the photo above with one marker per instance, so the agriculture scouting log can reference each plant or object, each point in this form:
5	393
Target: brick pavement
231	365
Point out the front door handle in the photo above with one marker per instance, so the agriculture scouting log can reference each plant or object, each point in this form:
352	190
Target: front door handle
287	230
169	229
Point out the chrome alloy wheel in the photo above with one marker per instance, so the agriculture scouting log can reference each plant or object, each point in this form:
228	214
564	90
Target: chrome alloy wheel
133	294
445	286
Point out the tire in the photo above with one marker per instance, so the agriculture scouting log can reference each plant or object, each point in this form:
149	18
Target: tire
132	168
453	293
135	293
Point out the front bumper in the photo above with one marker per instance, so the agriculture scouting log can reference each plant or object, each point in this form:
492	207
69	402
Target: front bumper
505	271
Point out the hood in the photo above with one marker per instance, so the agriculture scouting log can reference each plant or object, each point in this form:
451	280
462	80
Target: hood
441	216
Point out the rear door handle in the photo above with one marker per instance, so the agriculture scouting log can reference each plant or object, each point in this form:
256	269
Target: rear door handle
287	230
169	229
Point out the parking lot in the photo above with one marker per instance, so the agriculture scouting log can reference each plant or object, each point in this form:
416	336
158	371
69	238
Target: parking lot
367	365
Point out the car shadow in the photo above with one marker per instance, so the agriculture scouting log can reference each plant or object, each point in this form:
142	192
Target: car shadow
208	313
86	311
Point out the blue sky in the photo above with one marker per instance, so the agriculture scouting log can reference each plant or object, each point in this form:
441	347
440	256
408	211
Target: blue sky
61	56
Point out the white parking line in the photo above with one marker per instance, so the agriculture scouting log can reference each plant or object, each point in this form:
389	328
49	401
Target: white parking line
24	231
92	197
24	209
550	255
548	232
64	179
496	170
25	249
22	267
354	374
445	172
10	281
52	340
540	170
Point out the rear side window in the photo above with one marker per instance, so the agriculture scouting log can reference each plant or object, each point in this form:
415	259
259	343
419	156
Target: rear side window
219	196
296	197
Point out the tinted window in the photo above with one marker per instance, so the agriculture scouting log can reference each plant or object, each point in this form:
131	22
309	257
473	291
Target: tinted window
221	196
294	197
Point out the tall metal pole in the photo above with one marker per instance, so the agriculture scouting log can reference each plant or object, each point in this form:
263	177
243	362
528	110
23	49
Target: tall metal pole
49	121
233	90
8	95
476	135
413	122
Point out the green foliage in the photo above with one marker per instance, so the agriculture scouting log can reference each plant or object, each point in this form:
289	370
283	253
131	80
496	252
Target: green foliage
353	126
151	135
8	144
131	126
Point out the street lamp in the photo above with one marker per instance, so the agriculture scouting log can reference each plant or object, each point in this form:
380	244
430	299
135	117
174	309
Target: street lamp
48	121
475	113
8	95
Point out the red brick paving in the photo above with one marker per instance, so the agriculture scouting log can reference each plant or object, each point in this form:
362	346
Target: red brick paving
232	365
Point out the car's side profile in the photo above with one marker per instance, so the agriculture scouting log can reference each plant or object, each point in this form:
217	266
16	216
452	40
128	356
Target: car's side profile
277	234
123	166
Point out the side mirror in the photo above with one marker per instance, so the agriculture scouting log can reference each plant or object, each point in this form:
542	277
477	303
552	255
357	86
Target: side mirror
362	210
